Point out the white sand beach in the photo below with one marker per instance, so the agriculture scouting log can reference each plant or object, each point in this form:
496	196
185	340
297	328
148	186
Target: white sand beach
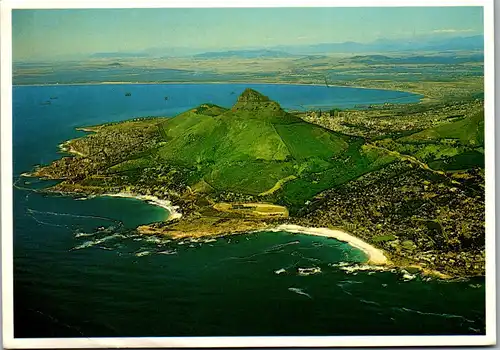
375	255
166	204
66	147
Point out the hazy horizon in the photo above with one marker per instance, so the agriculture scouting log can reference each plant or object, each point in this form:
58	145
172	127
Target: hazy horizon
53	34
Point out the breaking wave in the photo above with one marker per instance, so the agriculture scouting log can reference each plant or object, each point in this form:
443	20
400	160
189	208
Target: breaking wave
300	291
371	269
98	241
308	271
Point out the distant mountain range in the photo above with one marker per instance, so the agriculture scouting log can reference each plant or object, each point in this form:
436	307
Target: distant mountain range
417	59
244	54
475	42
385	45
118	54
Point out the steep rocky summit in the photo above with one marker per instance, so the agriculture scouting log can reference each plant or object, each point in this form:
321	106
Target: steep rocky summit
251	100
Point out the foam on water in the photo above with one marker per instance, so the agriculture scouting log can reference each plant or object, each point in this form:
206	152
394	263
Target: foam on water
354	268
299	291
369	302
372	269
143	253
308	271
45	270
167	252
408	276
50	213
445	315
98	241
83	234
279	247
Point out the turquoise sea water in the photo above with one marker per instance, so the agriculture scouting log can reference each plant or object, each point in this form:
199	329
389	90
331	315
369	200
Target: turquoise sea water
81	270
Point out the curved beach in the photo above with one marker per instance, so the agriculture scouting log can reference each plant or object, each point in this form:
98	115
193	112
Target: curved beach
375	255
166	204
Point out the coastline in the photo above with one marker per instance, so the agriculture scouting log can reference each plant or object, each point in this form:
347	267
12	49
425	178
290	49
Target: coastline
421	96
215	227
375	256
165	204
66	147
86	129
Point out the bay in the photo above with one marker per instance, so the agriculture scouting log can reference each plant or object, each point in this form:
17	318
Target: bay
80	269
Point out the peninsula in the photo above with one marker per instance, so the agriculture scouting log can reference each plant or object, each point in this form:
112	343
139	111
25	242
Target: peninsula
406	181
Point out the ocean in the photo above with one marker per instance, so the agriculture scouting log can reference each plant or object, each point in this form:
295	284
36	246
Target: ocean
80	269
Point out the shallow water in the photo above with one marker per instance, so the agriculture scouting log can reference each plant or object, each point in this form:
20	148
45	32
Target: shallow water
80	269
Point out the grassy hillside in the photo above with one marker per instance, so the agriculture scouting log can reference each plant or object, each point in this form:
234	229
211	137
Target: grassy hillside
306	141
468	131
256	144
457	145
255	148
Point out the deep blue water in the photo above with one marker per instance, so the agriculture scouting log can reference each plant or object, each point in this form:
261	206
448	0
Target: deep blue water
81	270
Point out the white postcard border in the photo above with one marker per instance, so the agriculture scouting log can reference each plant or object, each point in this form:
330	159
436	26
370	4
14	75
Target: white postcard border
208	342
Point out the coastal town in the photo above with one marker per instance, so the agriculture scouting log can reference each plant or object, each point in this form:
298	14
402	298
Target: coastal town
316	175
421	217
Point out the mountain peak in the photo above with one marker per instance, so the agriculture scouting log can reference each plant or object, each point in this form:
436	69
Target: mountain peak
254	102
250	95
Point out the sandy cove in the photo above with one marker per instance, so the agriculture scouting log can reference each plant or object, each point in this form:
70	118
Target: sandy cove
375	255
166	204
222	226
206	226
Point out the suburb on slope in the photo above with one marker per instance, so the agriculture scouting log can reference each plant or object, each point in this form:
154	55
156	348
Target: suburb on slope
416	192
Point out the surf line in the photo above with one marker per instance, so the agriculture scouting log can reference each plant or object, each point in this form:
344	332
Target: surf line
375	256
165	204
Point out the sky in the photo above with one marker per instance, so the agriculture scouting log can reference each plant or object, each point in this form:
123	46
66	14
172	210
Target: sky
71	32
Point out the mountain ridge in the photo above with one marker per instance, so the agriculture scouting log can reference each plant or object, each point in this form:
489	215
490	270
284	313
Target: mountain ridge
255	144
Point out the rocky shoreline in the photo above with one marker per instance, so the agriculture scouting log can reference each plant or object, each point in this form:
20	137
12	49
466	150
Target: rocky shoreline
191	220
432	221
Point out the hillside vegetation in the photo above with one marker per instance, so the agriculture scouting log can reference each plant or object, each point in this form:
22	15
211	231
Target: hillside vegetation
456	145
255	144
408	179
254	148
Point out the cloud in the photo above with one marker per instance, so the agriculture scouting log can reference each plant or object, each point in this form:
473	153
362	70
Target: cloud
304	37
453	30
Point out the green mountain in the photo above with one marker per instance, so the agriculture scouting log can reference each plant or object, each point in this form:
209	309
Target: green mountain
257	148
457	145
467	131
